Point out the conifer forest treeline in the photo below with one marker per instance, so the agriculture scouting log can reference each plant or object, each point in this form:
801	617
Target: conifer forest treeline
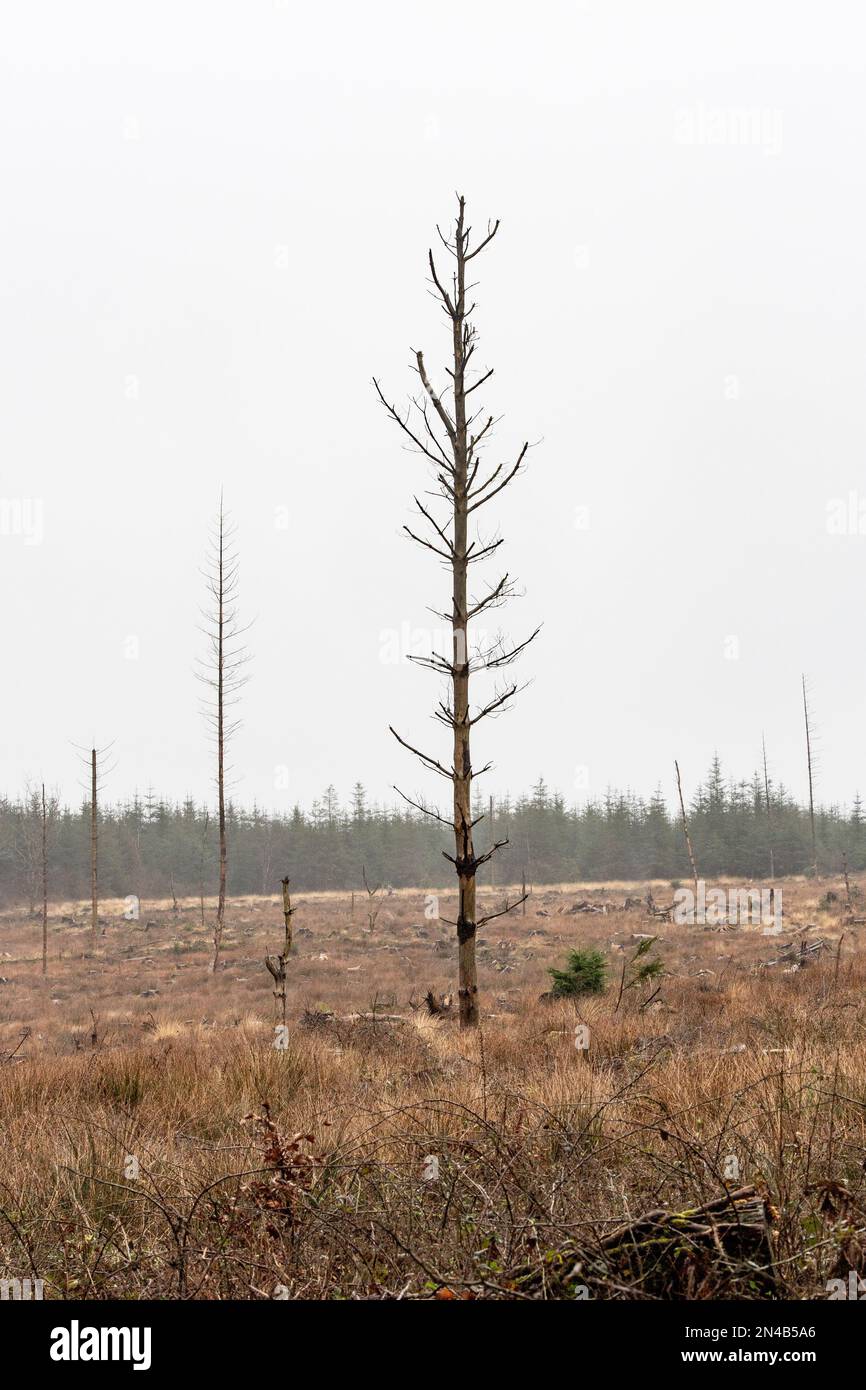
155	849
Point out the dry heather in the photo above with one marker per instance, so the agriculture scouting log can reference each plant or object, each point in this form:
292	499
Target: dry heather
157	1144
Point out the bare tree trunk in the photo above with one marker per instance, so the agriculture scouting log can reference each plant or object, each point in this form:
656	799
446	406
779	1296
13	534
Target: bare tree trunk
94	760
373	907
769	813
811	792
456	457
688	837
278	965
222	674
465	862
44	884
94	845
221	747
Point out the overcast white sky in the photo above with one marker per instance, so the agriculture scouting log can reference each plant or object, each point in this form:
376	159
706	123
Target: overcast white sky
215	222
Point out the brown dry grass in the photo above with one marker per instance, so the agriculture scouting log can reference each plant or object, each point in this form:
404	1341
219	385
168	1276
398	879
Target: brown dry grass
322	1193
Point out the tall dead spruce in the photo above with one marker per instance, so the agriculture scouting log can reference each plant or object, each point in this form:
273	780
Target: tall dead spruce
95	760
222	672
810	761
451	434
48	812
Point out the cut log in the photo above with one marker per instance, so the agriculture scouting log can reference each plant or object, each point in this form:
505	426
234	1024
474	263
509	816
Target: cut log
721	1249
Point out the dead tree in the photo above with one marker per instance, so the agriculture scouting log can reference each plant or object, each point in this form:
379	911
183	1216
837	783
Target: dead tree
45	814
98	769
222	672
94	847
686	834
34	822
374	907
277	965
452	435
769	811
807	720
